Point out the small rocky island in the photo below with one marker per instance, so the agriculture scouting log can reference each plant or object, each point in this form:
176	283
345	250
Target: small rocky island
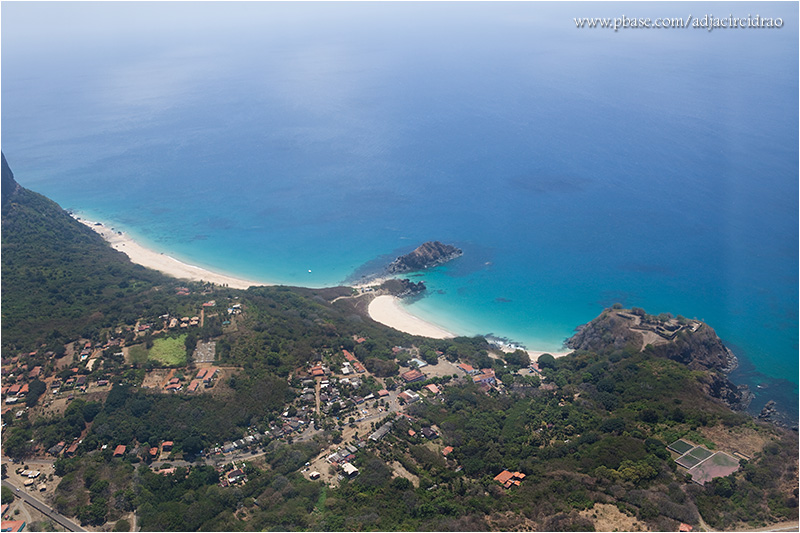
427	255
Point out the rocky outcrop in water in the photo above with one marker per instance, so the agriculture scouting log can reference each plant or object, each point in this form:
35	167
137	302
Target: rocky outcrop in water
429	254
403	287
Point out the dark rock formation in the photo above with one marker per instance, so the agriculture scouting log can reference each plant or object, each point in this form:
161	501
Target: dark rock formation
429	254
403	287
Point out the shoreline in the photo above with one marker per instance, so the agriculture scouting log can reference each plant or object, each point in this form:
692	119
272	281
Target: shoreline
164	263
384	309
388	311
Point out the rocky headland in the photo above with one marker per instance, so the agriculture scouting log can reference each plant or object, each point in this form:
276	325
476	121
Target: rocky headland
690	342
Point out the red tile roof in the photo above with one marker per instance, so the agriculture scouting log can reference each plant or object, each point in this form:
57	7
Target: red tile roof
412	375
447	450
507	478
12	525
120	450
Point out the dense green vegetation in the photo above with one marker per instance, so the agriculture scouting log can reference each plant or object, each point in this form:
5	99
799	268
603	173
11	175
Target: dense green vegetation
60	280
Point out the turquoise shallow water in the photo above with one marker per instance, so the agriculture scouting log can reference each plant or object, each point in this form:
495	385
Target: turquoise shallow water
575	168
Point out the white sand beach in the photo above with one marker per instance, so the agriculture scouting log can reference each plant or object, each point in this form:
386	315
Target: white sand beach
388	311
534	354
164	263
384	309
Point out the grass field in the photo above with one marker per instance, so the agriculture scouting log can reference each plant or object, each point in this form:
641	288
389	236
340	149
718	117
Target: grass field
169	351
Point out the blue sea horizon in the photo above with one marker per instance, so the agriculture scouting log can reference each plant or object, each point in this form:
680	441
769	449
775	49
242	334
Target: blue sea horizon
576	168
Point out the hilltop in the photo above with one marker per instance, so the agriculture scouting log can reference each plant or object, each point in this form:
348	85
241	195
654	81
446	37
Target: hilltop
692	343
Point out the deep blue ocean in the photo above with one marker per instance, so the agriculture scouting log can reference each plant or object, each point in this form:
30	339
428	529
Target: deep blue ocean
576	168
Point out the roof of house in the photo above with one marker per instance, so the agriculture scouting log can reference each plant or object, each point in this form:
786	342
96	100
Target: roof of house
447	450
12	525
383	392
507	478
466	368
201	374
412	375
167	443
433	388
120	450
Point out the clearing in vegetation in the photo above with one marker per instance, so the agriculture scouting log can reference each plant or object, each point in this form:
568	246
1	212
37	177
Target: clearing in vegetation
170	351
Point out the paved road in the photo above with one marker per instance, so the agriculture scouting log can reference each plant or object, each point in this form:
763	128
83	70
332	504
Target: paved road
43	508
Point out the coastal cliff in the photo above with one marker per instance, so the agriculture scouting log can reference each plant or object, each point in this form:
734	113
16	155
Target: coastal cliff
427	255
690	342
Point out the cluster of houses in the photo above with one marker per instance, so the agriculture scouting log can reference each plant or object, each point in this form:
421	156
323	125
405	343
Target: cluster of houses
342	459
16	376
233	477
352	363
241	444
183	322
155	451
484	378
205	377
